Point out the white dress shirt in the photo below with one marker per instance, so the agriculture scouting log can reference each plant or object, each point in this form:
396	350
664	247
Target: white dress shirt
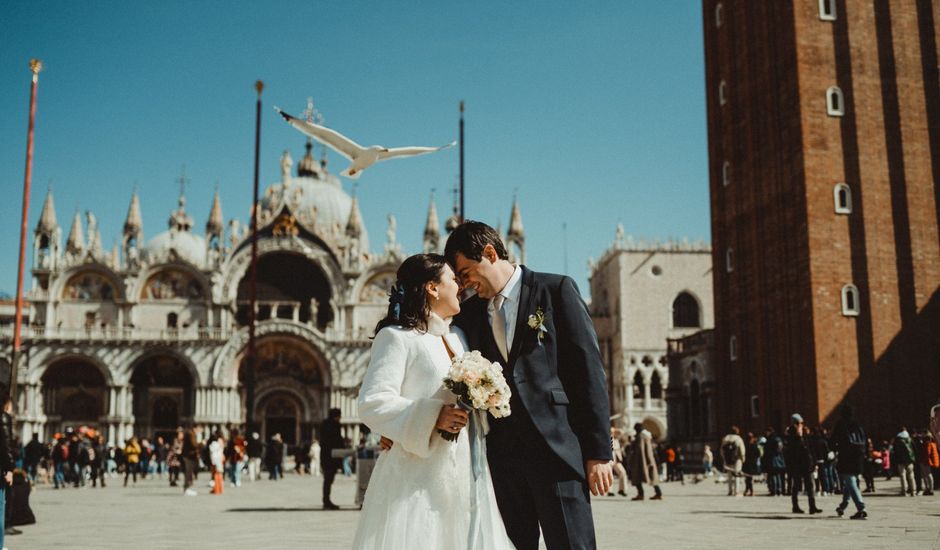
511	294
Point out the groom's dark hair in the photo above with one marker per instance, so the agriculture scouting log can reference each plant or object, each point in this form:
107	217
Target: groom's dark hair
470	238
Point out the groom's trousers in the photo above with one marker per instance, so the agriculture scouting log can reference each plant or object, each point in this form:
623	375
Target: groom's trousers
537	488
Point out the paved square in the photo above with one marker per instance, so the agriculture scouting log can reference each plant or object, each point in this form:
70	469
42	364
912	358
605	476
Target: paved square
286	514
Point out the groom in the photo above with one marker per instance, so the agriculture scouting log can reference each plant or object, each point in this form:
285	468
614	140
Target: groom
555	446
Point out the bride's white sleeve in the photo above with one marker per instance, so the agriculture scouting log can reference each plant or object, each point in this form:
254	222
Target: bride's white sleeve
408	422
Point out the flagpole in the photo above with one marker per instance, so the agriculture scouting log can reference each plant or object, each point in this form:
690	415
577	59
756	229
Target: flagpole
462	211
253	287
35	66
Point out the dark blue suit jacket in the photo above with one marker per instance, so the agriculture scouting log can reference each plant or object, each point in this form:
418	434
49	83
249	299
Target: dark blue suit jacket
558	384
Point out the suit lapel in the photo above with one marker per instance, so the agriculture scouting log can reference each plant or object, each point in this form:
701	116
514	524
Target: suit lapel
526	303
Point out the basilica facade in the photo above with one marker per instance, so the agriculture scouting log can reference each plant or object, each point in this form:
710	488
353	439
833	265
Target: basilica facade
153	334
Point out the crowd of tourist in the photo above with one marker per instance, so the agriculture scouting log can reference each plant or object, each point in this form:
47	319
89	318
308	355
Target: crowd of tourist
798	460
82	457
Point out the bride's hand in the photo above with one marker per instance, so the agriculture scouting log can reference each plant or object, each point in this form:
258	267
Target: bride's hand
386	443
452	419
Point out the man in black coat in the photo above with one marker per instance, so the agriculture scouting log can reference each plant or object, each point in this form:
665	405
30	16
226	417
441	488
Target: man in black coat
34	452
554	449
800	464
6	460
850	442
331	437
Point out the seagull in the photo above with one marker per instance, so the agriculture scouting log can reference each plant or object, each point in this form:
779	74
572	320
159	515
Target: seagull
361	157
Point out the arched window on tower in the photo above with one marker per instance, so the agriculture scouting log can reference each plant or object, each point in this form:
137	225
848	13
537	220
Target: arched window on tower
722	93
685	311
718	9
835	103
827	10
656	386
842	195
850	305
171	320
729	260
725	173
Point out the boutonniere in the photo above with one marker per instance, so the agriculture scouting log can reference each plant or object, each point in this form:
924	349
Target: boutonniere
537	323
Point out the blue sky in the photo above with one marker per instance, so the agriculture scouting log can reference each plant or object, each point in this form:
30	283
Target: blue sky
593	112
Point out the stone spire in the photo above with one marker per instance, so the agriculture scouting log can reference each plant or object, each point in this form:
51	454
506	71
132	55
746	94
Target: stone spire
47	236
216	223
432	229
47	221
76	241
133	233
515	237
308	167
134	224
354	225
94	234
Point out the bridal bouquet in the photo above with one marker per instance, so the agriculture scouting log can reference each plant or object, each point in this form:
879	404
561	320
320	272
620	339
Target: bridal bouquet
479	385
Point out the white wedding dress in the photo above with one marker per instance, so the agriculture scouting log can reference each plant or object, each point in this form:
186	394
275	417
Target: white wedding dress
422	492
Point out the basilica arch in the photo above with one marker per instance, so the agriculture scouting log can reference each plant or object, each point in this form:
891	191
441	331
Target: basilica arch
291	386
163	392
74	393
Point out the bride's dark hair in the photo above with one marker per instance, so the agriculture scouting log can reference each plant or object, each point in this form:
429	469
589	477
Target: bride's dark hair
408	305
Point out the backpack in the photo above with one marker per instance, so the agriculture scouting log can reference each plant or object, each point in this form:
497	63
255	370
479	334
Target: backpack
729	452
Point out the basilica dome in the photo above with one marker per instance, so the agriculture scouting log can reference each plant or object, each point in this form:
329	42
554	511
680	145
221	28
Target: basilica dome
315	197
178	241
184	244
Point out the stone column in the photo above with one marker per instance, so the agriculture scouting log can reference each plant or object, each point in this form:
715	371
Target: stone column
647	400
295	314
112	400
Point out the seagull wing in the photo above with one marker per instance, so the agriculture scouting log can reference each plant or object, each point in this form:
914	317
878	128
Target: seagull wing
335	140
398	152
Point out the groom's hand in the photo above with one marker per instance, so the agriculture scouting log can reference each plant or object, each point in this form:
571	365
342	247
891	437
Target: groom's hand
600	476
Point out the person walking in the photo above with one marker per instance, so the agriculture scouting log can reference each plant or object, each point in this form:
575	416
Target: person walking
174	458
643	463
6	461
273	457
98	456
751	466
925	451
33	454
331	438
733	453
60	455
255	450
707	459
190	461
160	452
902	456
619	471
851	446
800	465
774	463
132	456
217	462
872	465
235	457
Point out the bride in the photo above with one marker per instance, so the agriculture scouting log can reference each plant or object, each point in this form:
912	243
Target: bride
422	493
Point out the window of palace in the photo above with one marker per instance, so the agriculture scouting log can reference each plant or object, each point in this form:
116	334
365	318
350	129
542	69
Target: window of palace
656	386
685	311
835	103
850	305
842	195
